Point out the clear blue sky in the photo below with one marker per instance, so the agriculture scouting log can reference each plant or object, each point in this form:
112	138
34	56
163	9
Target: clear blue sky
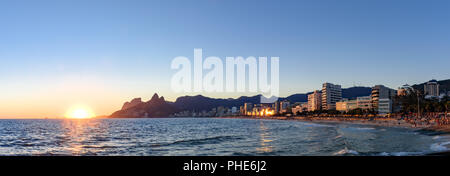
65	51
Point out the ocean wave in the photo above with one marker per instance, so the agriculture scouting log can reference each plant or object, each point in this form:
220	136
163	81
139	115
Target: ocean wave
338	136
346	151
399	153
406	153
201	141
437	137
315	125
361	128
429	132
445	137
384	154
440	146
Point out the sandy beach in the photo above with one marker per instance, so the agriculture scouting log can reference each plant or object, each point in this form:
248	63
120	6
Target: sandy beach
387	122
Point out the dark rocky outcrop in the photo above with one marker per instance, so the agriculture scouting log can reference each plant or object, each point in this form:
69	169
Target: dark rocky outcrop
132	103
155	107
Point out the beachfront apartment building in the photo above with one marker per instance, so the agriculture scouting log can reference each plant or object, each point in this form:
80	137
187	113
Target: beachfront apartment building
302	107
297	109
331	94
276	107
315	101
381	92
248	108
234	110
341	106
431	88
346	105
384	106
284	105
364	102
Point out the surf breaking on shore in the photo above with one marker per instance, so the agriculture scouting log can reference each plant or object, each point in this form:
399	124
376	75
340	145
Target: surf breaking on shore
423	127
387	122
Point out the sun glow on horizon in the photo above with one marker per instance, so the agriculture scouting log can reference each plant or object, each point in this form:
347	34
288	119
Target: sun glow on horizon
79	112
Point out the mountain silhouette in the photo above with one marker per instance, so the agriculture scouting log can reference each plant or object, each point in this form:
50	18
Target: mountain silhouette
155	107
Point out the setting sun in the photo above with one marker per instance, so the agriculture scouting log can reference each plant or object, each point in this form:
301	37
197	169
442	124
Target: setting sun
79	113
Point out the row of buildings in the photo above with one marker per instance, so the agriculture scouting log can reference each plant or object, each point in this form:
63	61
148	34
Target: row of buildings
431	90
380	100
328	98
220	111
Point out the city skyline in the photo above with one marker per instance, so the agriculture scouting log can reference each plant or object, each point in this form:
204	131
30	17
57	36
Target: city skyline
86	112
54	57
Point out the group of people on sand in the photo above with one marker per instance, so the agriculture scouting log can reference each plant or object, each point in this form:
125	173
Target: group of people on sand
431	119
426	119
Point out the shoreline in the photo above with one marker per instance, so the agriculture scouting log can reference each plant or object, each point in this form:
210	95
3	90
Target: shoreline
381	122
384	122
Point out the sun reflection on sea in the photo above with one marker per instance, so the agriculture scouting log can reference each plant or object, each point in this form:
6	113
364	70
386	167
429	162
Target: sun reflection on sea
265	139
78	133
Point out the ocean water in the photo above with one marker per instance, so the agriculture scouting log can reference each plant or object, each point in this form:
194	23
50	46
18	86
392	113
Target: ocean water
210	136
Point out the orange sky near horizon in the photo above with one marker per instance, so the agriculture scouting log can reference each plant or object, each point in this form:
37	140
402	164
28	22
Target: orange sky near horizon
54	99
33	98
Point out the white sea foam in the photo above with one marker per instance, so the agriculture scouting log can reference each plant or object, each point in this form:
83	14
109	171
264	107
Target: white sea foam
361	128
405	153
440	146
339	136
384	154
346	151
442	137
400	153
437	137
315	124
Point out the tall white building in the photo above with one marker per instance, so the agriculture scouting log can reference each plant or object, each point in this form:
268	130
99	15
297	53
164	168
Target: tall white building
315	101
330	95
431	88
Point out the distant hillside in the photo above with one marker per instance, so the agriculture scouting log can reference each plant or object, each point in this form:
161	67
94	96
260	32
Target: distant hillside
444	86
297	97
353	92
350	93
199	102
